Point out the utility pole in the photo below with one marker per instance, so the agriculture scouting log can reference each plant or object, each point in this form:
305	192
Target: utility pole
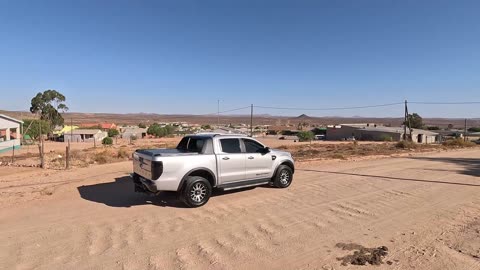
405	122
71	129
40	146
218	112
465	131
251	121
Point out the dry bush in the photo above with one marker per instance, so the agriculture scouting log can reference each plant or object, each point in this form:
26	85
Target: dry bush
123	153
458	143
338	156
406	145
102	157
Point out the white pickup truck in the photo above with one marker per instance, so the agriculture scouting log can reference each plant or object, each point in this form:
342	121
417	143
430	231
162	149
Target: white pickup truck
203	162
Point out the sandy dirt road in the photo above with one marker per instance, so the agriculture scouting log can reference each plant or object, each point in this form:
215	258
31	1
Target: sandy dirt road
422	208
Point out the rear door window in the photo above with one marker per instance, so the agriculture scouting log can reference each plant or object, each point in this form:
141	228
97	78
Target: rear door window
191	144
231	146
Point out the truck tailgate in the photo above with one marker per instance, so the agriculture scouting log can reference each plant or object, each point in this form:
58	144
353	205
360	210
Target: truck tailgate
145	167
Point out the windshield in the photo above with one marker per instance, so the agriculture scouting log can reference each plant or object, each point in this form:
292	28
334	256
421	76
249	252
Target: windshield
191	144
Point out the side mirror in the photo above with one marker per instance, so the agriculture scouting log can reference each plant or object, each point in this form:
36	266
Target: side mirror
266	150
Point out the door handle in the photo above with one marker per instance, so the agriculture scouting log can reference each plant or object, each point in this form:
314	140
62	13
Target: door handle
226	158
250	157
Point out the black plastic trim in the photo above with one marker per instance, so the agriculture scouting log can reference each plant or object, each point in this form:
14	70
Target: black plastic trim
185	177
244	183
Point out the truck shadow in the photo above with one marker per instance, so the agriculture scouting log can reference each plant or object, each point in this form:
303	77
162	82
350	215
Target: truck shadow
121	194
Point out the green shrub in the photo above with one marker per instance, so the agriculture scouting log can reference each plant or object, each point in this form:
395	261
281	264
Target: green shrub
113	132
107	141
305	136
386	138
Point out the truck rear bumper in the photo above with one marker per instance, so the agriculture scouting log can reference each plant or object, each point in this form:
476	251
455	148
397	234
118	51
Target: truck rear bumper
143	185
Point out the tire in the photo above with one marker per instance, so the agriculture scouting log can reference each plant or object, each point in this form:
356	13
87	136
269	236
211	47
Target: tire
284	177
196	192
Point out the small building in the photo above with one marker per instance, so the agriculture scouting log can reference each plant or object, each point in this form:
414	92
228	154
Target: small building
84	135
129	132
59	131
373	132
10	135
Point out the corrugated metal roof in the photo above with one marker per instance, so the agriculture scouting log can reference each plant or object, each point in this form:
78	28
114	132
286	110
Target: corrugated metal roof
11	118
398	130
84	131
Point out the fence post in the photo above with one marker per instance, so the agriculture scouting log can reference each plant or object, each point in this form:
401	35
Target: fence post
67	157
13	153
42	162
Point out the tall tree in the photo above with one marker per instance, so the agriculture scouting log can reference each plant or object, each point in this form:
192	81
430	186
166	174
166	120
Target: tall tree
415	121
48	105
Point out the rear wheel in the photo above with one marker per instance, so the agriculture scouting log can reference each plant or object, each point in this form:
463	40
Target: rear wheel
284	176
197	191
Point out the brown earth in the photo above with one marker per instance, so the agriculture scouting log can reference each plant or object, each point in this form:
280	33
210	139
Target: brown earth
425	208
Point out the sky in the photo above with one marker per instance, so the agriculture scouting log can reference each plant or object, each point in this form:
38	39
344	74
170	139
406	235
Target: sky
173	57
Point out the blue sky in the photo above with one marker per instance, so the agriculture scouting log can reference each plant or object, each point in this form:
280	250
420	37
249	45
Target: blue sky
181	56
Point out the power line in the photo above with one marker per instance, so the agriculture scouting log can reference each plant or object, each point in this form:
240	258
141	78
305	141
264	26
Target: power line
444	103
330	109
206	114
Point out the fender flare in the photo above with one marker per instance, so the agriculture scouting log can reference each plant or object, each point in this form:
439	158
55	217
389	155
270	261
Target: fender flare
185	177
285	162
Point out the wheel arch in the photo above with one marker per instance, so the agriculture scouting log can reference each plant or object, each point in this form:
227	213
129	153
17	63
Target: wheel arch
286	163
203	172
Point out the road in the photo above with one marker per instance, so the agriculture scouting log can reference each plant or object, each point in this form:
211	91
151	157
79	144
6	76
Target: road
420	207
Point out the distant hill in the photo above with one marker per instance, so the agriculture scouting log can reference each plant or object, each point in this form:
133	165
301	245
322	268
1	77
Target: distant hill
303	117
136	118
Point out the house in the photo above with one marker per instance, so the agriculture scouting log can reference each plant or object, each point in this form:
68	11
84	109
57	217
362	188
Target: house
10	135
129	132
84	135
373	132
102	126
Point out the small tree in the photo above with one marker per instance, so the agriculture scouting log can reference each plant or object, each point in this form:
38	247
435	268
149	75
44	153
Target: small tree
154	130
32	127
206	127
113	133
305	136
142	125
107	141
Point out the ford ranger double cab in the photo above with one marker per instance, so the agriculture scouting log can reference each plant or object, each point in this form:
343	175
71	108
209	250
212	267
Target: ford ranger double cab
203	162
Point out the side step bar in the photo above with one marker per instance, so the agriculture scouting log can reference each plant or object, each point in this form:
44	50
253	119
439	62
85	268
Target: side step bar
244	184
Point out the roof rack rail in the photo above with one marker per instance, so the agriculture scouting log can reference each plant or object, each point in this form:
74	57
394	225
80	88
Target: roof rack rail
214	134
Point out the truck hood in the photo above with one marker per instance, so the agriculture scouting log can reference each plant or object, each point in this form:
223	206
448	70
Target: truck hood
165	152
280	152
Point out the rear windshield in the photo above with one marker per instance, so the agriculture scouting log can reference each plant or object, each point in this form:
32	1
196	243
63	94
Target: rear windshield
191	144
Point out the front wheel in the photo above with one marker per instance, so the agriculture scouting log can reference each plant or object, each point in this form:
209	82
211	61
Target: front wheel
284	176
197	191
